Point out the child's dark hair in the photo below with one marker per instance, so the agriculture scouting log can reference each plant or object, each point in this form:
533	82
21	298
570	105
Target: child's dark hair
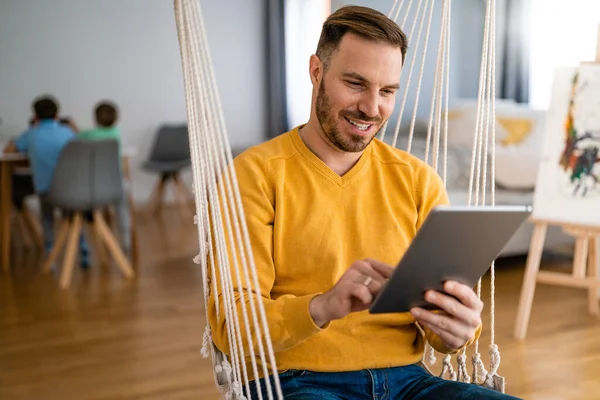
45	107
106	114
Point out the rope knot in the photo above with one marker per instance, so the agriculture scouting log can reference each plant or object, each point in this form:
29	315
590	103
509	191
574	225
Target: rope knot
195	219
447	368
226	367
431	359
198	259
206	339
237	389
494	359
463	374
479	371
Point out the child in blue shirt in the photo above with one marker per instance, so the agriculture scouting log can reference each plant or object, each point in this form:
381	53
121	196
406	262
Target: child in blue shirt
43	142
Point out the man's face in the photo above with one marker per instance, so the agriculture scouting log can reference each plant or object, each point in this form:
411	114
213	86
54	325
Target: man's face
357	93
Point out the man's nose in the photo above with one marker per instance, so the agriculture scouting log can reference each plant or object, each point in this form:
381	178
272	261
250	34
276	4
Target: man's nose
369	104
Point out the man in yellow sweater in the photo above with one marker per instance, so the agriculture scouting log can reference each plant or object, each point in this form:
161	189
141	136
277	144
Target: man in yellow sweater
329	209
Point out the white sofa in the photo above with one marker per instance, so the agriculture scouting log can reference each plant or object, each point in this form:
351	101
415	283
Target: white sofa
516	166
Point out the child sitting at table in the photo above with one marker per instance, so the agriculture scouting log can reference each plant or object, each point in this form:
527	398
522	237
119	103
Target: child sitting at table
43	142
106	116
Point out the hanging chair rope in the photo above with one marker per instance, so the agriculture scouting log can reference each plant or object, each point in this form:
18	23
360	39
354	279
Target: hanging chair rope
215	180
219	214
412	64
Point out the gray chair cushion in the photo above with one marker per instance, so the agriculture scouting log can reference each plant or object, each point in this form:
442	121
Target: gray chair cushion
171	144
166	166
87	176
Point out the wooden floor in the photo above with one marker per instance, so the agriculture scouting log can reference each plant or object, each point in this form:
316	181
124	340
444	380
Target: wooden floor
107	338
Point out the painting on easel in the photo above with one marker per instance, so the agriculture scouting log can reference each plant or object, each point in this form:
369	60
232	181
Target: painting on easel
568	185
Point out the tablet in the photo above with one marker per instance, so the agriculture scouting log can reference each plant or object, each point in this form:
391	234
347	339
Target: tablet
454	243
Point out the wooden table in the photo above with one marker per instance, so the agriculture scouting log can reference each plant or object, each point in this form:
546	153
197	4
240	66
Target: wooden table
8	163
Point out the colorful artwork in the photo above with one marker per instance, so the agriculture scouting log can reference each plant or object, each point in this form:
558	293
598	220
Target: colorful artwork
568	187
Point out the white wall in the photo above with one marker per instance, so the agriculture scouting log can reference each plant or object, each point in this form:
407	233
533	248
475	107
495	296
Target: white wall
83	51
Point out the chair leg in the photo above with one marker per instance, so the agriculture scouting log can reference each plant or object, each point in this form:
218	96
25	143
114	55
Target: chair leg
134	236
529	280
71	251
156	198
134	254
34	228
186	193
181	198
113	245
592	267
63	230
93	238
20	231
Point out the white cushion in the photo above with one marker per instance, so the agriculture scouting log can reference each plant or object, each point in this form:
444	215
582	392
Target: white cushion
517	167
517	164
457	167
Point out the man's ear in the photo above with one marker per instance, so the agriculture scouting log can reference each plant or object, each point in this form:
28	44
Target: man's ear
315	70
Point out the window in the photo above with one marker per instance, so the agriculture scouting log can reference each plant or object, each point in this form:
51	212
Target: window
303	21
563	33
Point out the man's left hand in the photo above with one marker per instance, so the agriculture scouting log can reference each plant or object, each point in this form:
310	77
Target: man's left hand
458	321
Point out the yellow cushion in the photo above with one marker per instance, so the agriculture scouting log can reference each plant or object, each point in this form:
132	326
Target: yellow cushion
517	129
454	114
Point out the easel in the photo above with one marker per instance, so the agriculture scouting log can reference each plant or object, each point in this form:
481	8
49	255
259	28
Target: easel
587	254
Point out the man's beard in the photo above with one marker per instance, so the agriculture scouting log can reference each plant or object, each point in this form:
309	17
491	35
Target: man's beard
329	125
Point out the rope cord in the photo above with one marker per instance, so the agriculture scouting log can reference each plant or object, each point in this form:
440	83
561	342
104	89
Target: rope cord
412	65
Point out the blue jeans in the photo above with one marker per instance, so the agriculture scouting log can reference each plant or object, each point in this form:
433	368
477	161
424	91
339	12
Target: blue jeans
410	382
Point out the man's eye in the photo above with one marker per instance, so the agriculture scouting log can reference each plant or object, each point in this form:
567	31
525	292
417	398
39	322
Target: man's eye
355	84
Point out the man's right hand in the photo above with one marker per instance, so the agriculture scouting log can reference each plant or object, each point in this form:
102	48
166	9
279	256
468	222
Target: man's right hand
354	291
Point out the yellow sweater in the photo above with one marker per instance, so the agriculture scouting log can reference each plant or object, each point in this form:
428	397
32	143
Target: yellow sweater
307	225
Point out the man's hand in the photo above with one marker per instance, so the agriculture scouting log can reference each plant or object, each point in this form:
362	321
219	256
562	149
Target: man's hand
354	291
70	123
459	320
10	148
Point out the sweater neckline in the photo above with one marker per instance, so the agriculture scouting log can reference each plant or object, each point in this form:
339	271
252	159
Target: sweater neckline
340	180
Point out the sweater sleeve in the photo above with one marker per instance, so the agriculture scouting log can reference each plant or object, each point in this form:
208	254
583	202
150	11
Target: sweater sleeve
431	193
288	317
436	342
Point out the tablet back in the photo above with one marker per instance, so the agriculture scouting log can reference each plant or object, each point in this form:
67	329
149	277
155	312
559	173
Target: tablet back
454	243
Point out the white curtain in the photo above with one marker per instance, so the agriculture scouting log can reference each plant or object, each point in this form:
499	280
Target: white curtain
303	21
563	33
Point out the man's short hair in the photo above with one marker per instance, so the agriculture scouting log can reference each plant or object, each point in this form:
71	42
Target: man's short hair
45	107
362	21
106	114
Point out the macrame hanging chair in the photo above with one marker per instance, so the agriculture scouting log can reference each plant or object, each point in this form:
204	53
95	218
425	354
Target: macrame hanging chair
223	223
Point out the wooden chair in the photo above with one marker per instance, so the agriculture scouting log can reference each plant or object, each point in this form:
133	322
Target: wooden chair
86	180
169	156
23	218
29	227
